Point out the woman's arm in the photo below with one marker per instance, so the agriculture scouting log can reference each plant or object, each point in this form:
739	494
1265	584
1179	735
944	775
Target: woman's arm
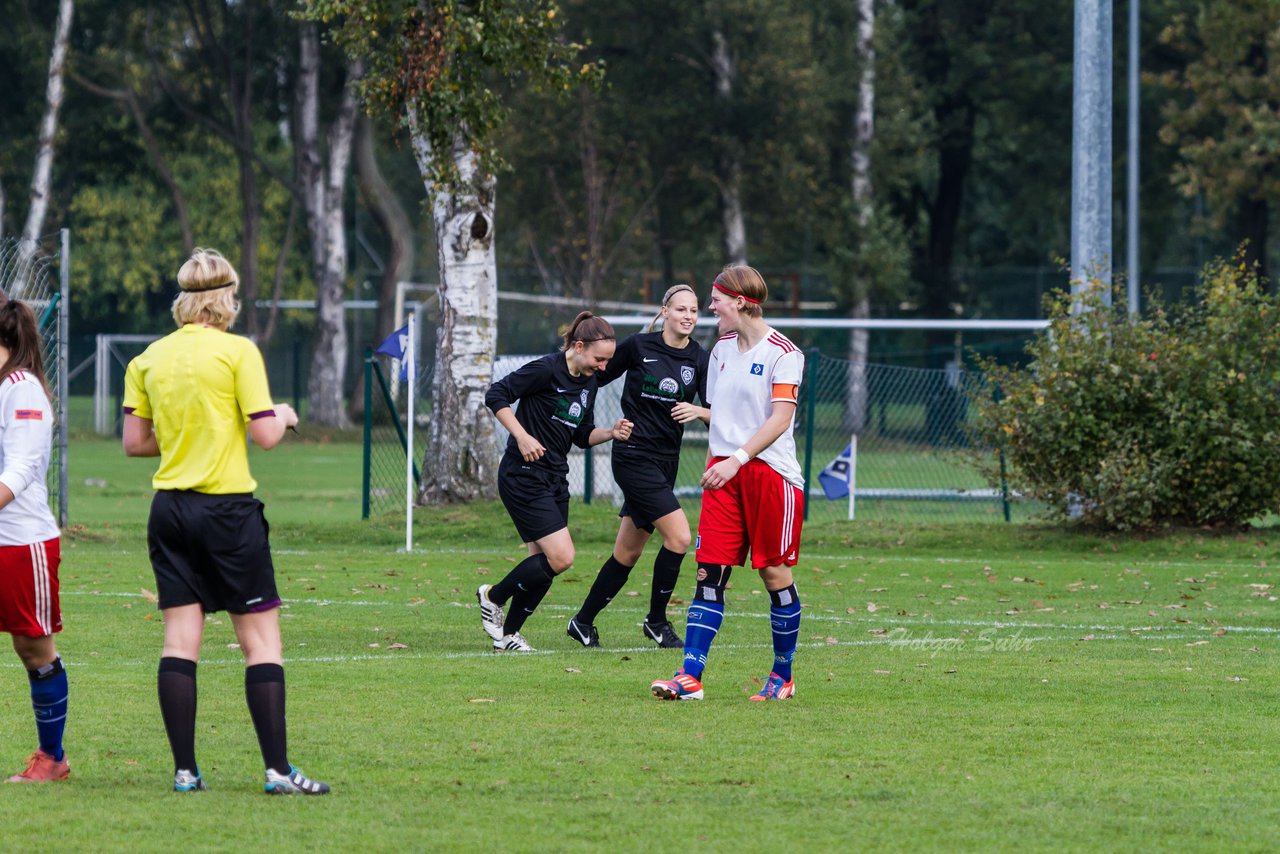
774	426
530	448
268	430
685	412
139	439
620	431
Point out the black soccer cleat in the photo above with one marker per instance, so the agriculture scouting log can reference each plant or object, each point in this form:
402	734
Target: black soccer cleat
583	633
663	635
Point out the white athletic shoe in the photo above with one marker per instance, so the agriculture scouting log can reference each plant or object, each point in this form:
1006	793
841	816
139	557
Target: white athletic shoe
491	617
293	783
513	642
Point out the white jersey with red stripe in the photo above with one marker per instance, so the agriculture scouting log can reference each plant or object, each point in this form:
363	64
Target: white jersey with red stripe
740	391
26	443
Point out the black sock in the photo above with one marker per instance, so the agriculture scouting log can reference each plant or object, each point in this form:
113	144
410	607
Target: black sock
529	573
666	571
264	692
611	580
176	682
526	600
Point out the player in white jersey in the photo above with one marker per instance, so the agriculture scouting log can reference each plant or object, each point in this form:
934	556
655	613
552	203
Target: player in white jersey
29	552
753	490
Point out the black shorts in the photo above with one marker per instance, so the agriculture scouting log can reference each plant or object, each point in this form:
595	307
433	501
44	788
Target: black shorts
536	499
211	550
648	487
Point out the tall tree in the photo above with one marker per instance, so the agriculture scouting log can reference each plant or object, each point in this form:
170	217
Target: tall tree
443	66
323	185
42	177
1223	114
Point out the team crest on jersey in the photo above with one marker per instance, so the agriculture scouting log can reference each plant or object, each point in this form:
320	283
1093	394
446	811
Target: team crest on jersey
668	386
686	374
757	370
583	398
575	411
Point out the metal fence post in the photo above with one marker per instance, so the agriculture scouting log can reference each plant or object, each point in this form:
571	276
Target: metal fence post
588	475
812	384
368	433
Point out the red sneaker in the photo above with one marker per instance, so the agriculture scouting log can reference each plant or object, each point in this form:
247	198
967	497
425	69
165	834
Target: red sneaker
775	688
682	686
41	768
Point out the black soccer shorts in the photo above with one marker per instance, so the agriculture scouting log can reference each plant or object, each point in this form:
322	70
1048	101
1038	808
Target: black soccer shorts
212	550
648	487
536	499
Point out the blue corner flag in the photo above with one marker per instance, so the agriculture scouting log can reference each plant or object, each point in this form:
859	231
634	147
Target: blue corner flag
835	477
394	347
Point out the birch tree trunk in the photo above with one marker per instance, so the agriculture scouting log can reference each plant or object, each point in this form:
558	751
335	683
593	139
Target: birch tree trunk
856	399
462	455
322	190
730	165
41	178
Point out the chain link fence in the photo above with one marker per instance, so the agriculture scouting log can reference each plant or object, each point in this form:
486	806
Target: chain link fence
898	435
29	272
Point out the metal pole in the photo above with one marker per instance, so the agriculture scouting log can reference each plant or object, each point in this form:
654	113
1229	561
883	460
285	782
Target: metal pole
1091	148
812	410
411	426
1132	234
368	433
64	359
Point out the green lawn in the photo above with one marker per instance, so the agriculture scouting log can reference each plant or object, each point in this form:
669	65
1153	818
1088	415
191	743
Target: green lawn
960	687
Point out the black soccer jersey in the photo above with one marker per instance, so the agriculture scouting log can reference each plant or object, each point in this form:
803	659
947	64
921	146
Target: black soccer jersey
555	408
658	377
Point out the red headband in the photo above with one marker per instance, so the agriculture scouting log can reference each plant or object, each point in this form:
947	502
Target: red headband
721	287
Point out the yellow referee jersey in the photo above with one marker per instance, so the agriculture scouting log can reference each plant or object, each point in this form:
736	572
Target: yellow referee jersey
199	387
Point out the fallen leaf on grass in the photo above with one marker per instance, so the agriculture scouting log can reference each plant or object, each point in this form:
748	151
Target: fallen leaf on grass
883	672
482	700
572	670
832	641
148	595
1237	679
1198	643
877	631
872	607
398	646
374	645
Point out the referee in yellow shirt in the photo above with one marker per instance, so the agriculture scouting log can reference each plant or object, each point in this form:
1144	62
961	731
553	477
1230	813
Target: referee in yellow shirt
188	400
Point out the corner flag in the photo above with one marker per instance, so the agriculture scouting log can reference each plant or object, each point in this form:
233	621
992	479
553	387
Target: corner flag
394	346
835	477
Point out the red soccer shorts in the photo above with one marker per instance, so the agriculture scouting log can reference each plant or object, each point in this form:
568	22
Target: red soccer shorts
29	589
757	510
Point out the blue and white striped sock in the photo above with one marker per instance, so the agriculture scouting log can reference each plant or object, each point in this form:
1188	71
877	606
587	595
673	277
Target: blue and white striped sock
784	617
701	627
49	702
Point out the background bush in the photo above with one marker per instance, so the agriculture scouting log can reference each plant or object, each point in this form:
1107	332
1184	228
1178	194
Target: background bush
1169	420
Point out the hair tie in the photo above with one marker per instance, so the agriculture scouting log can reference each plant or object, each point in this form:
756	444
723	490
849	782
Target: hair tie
210	288
721	287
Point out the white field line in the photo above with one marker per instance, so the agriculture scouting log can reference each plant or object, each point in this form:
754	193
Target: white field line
1138	631
931	647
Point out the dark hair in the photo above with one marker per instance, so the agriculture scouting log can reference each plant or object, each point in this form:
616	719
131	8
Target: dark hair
586	327
21	336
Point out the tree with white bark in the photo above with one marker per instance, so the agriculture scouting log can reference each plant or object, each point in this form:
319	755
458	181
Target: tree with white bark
323	186
42	177
440	65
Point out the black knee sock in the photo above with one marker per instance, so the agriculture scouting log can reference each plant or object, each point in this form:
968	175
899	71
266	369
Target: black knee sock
610	581
527	574
666	571
528	596
264	692
176	682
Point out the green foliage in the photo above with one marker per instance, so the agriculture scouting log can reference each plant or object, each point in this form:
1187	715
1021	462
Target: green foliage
448	62
1169	420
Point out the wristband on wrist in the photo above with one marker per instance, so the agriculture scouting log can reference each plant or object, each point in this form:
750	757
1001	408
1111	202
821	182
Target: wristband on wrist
741	456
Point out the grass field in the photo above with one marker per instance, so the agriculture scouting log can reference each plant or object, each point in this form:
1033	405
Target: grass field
960	687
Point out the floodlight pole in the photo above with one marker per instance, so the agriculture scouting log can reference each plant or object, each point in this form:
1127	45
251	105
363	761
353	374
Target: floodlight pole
1091	147
1132	235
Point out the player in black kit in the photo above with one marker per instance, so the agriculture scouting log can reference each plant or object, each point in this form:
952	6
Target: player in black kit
556	394
665	371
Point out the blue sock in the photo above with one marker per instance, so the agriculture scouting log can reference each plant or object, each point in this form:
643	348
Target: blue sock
706	612
784	617
49	702
701	627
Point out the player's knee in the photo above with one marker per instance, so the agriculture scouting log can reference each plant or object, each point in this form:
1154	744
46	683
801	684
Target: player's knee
712	581
678	543
560	559
626	555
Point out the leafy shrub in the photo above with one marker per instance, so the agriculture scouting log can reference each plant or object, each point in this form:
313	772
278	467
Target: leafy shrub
1169	420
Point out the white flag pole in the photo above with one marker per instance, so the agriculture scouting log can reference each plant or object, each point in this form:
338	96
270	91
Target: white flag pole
410	424
853	476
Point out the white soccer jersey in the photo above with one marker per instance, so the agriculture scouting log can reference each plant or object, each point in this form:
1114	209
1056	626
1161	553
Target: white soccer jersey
26	442
740	390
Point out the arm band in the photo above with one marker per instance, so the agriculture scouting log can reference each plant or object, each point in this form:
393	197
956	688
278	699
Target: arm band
741	456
